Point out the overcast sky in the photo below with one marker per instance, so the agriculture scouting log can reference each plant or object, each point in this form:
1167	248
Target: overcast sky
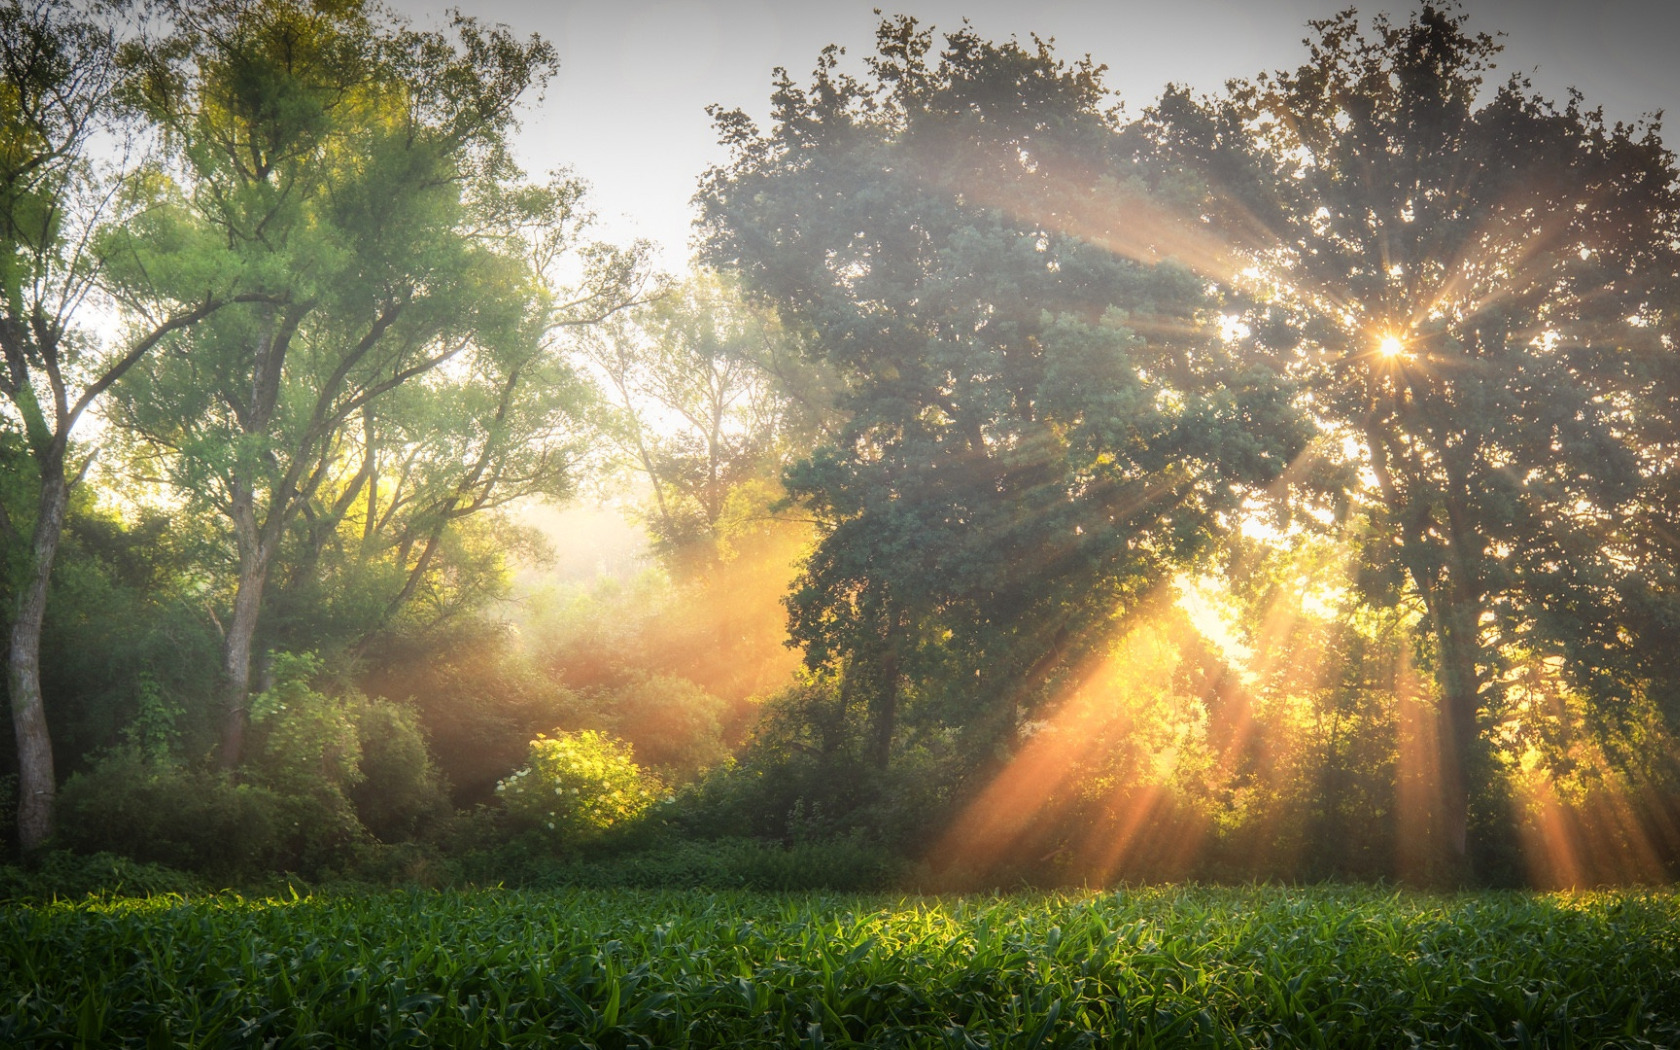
627	111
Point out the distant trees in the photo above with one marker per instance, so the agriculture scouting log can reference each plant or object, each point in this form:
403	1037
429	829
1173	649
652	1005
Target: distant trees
339	305
1078	354
1009	384
706	399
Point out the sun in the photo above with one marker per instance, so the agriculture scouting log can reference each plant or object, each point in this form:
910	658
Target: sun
1390	346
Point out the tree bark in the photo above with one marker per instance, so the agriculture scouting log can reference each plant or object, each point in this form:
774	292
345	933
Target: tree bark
36	780
1454	635
883	721
235	685
1453	607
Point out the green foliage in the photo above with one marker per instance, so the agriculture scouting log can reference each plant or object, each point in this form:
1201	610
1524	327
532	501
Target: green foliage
577	785
128	649
707	397
672	724
167	814
1041	423
1150	968
400	794
801	777
1500	459
155	732
848	864
60	875
309	743
388	379
346	764
479	697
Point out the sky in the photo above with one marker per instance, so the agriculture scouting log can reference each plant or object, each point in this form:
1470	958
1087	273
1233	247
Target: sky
627	109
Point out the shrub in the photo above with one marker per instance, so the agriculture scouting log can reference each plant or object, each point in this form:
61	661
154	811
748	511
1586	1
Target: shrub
163	813
576	785
347	765
306	741
672	723
400	793
64	875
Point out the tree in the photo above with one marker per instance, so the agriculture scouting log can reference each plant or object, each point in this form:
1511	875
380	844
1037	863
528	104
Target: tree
1043	423
386	535
707	394
1473	291
55	199
358	176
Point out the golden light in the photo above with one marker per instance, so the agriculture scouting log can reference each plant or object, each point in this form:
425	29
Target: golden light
1391	346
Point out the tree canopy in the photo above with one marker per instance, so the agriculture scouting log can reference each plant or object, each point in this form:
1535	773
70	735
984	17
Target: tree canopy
1473	289
1039	431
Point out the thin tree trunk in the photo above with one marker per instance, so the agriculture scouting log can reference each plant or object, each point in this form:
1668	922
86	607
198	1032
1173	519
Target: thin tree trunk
884	720
1452	609
235	686
36	781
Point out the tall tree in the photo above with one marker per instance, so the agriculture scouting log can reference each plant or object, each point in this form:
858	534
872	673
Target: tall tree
1471	287
705	393
384	541
56	195
1043	422
359	178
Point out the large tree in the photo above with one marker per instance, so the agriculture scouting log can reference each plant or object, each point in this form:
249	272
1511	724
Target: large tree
62	182
406	531
1474	288
1043	422
357	175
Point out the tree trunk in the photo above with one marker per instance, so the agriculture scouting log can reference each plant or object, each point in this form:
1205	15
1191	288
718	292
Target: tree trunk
884	717
236	657
1457	720
36	782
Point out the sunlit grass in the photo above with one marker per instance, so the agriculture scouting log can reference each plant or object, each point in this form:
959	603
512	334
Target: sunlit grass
1154	967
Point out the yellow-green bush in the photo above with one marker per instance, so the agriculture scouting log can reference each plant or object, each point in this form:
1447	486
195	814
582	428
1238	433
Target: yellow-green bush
576	785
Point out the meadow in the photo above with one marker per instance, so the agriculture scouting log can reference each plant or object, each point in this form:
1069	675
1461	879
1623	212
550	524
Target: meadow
1185	966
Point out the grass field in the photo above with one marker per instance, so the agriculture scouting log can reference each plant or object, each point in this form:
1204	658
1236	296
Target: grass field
1327	967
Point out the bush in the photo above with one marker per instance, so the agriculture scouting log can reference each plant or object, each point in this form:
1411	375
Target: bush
400	794
672	724
577	785
305	741
64	875
160	813
345	765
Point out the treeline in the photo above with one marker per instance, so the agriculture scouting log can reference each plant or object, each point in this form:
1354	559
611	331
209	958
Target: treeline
1281	483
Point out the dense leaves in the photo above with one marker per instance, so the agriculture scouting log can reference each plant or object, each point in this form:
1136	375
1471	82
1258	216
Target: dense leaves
1474	289
1039	430
1281	484
576	785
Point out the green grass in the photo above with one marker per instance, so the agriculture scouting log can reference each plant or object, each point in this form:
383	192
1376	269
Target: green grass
1325	967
